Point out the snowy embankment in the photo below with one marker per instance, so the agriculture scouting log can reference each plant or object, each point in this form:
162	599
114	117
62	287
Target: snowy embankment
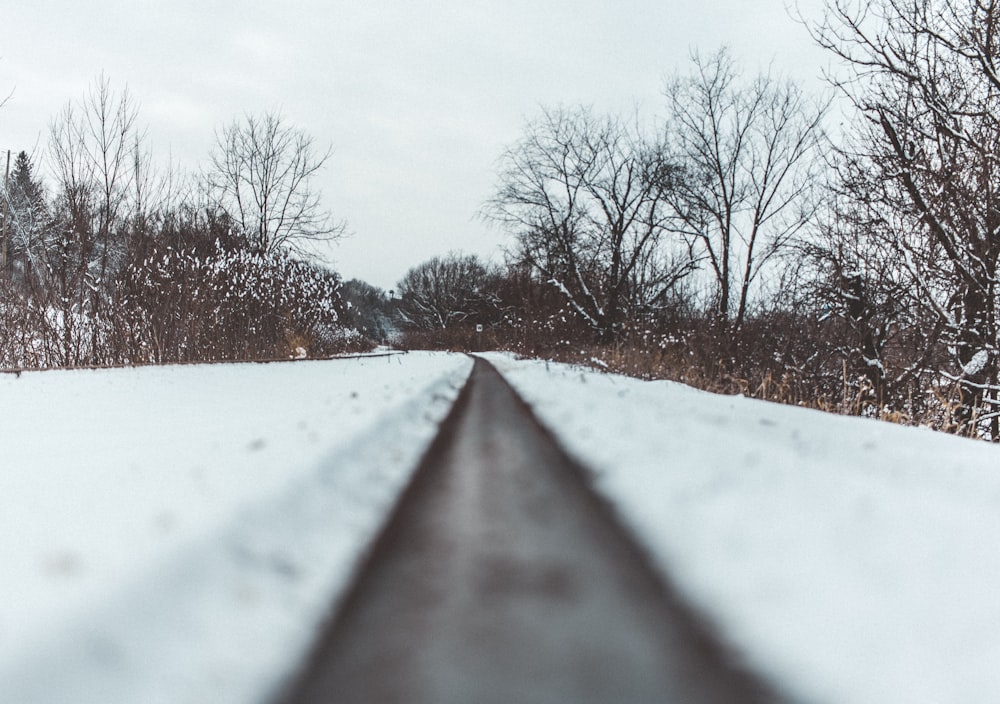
850	560
175	534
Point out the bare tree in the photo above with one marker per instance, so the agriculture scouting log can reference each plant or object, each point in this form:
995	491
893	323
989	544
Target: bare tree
923	79
749	158
262	175
92	146
445	291
585	197
869	303
92	150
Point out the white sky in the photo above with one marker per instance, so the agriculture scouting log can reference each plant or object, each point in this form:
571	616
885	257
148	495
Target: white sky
416	97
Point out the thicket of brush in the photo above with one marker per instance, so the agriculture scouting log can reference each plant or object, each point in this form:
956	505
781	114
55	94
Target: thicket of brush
803	355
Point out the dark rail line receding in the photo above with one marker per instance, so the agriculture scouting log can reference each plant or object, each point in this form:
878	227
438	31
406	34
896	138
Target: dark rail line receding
501	577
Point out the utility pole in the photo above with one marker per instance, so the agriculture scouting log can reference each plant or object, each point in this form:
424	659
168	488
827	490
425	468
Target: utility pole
6	217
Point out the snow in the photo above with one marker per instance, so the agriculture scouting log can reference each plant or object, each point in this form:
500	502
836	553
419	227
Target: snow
850	560
175	534
978	362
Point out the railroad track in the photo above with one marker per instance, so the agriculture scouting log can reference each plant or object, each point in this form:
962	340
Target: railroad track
502	577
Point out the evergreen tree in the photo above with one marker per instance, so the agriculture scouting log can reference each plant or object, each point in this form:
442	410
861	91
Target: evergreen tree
22	180
27	216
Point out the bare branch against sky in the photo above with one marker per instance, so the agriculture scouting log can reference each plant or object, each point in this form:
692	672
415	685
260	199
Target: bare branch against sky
418	98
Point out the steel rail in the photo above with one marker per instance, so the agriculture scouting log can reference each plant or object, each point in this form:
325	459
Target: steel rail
502	577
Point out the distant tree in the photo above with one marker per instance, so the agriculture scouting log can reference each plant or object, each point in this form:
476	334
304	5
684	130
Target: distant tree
749	156
370	310
445	291
23	183
28	216
585	196
262	176
93	147
853	286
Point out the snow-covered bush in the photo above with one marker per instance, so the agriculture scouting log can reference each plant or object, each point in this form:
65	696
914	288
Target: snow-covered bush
179	304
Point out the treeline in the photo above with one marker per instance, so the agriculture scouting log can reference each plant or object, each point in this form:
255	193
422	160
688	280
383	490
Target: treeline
112	260
734	245
728	242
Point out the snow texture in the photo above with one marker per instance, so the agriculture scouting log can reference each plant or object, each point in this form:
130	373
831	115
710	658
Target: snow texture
978	362
175	534
849	560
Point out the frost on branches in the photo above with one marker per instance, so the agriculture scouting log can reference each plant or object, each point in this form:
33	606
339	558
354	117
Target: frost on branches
233	304
113	262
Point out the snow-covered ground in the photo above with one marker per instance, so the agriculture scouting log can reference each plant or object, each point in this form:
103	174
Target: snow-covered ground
175	534
851	560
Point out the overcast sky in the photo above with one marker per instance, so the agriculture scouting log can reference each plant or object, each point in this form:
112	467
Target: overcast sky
417	98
